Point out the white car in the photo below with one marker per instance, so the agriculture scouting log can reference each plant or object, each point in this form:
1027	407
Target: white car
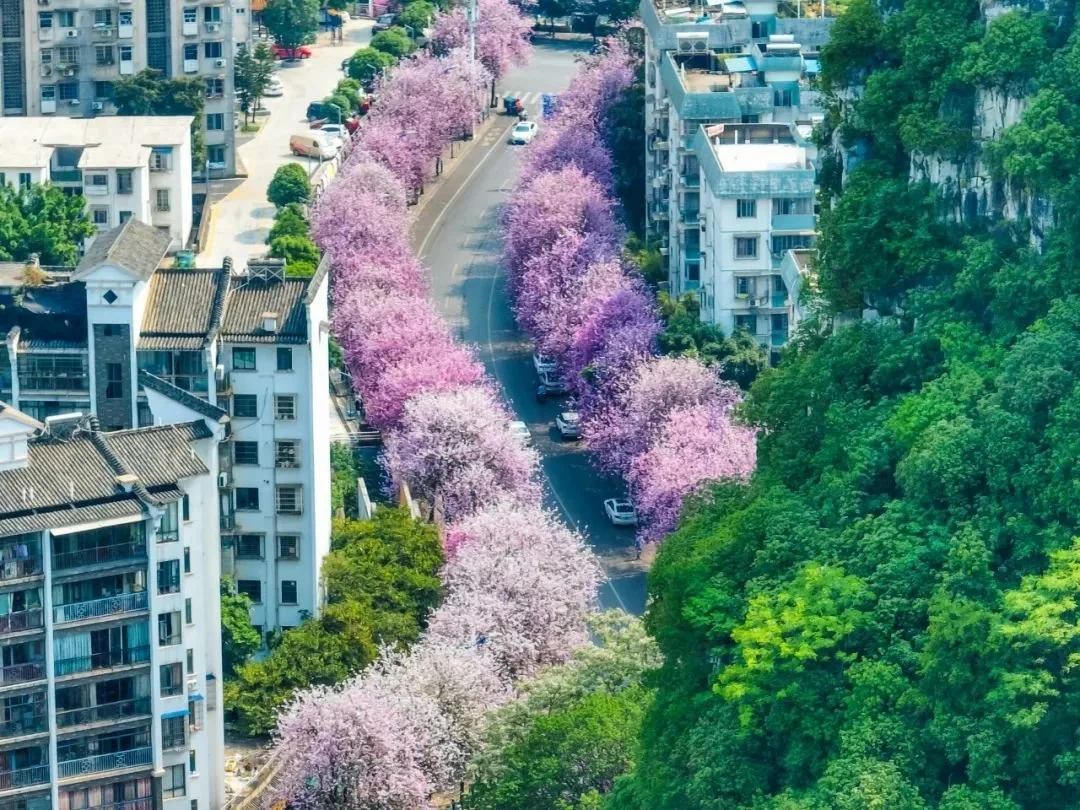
519	430
569	424
274	88
553	384
524	132
543	364
621	512
335	132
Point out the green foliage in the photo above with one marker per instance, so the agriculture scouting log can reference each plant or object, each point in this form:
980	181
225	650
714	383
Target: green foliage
626	141
147	93
394	42
291	22
739	357
381	580
299	252
252	72
417	15
289	185
42	220
239	638
1040	151
367	63
1011	54
335	355
854	45
345	468
289	221
350	91
646	258
343	104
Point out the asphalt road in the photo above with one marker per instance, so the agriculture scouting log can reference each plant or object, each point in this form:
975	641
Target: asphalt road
457	236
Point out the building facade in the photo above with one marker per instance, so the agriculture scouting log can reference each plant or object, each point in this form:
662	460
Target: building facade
121	338
62	57
109	616
127	167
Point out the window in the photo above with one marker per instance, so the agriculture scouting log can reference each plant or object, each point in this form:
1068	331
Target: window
190	657
187	611
99	180
743	285
782	244
124	216
191	52
173	732
288	547
782	206
25	180
212	50
168	576
243	359
172	679
289	500
45	19
783	98
48	92
103	54
185	508
287	453
124	18
247	499
215	88
746	209
246	406
284	359
159	162
191	15
65	19
111	330
215	155
172	783
124	181
249	546
246	452
114	388
284	407
187	559
195	714
746	322
161	199
746	247
211	13
168	628
46	56
288	591
191	761
103	91
251	588
125	53
69	91
102	17
215	122
100	216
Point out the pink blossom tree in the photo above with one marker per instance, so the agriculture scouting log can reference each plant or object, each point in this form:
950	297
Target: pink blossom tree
502	36
560	145
426	369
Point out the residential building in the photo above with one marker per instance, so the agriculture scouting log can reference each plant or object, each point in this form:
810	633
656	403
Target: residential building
756	205
125	339
110	620
63	59
127	167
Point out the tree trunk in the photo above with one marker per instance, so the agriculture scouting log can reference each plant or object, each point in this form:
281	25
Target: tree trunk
493	103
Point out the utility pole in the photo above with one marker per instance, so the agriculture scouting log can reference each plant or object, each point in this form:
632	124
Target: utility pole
472	31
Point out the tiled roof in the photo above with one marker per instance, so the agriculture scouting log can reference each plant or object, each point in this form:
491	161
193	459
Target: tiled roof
69	516
251	297
162	454
180	308
134	246
186	398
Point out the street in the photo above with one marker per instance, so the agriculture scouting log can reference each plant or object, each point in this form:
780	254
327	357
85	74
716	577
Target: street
242	221
457	236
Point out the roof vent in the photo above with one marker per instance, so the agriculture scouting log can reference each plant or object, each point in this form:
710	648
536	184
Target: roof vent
270	322
127	481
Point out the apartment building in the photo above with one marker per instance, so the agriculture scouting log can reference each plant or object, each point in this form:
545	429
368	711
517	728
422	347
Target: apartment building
724	63
122	338
109	616
127	167
63	57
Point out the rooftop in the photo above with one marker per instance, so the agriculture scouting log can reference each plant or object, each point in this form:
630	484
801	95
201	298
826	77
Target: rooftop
753	157
802	258
180	308
133	246
26	154
115	155
50	131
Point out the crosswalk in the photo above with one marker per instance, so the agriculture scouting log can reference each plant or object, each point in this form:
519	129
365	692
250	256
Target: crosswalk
526	98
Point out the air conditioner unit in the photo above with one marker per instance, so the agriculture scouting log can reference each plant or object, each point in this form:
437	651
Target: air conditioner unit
223	479
220	63
69	71
99	106
71	33
105	32
693	42
46	70
213	27
219	372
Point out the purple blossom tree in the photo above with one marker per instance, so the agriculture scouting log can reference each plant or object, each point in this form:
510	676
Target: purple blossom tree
426	369
561	145
502	36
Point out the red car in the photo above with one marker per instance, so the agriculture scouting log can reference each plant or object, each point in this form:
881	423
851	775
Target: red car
303	52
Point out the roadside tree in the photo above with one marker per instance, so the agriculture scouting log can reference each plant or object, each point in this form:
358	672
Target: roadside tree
289	185
291	22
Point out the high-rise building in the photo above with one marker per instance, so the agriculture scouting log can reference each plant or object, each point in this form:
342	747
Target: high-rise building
110	625
62	57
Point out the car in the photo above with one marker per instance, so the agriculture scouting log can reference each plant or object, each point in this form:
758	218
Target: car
314	145
303	52
553	384
336	132
274	88
519	430
524	132
620	512
569	424
542	363
384	22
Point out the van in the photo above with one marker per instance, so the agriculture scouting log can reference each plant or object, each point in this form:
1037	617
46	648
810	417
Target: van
313	146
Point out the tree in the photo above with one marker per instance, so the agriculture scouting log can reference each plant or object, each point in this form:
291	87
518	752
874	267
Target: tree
42	221
344	470
291	22
501	34
289	221
300	254
251	74
239	638
367	64
147	93
417	15
289	185
394	42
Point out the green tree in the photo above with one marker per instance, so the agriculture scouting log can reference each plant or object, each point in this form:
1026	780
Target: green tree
291	22
344	470
147	93
42	220
239	638
367	63
300	253
289	185
417	15
394	42
252	72
627	144
289	221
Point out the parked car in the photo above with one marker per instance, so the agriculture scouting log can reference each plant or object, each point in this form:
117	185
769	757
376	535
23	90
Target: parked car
303	52
274	88
519	430
524	132
313	145
620	512
383	23
553	384
542	363
336	132
569	424
321	111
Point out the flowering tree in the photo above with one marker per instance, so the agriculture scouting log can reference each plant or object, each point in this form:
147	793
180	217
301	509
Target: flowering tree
584	106
561	145
502	36
426	369
519	585
366	206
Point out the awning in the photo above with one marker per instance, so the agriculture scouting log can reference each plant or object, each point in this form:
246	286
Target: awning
171	715
739	64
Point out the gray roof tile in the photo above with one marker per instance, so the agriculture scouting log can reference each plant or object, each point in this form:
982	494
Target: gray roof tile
148	380
250	298
180	308
134	246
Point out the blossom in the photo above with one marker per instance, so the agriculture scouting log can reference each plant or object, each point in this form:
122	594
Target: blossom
502	34
561	145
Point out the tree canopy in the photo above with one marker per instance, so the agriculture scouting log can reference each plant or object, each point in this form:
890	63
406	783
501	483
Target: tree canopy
42	220
148	93
291	22
290	184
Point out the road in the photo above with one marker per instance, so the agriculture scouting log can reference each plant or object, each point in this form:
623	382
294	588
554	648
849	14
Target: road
242	221
457	236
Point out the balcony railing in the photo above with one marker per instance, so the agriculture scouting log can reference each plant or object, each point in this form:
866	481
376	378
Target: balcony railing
40	382
15	569
105	762
131	804
102	660
65	175
106	606
121	709
117	552
227	521
24	777
20	673
21	620
27	724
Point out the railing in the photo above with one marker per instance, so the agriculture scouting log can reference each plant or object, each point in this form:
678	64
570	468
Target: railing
224	384
105	762
168	535
65	175
794	222
690	180
131	550
29	724
130	804
24	777
15	569
106	711
106	606
20	673
52	383
110	658
227	522
21	620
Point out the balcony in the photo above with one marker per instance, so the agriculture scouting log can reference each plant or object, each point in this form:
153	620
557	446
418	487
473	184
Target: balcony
21	620
66	175
227	522
793	222
120	710
13	567
146	803
96	608
102	660
104	762
34	721
24	777
131	550
659	211
778	339
690	180
174	740
22	673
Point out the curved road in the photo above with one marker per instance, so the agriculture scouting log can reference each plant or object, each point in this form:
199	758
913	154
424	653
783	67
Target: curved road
456	235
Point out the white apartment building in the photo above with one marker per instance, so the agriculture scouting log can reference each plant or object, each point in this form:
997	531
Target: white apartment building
110	625
121	338
127	167
62	57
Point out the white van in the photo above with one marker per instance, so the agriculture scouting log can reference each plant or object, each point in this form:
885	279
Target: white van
313	145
